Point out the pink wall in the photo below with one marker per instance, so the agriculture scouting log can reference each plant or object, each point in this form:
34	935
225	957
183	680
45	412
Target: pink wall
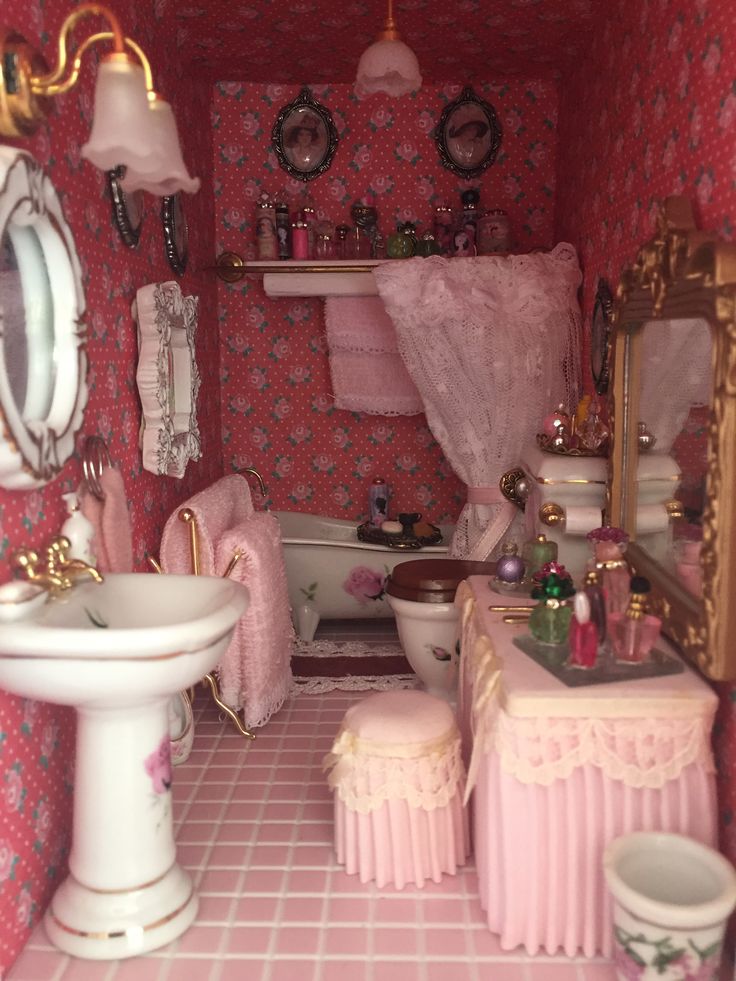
649	113
276	394
36	741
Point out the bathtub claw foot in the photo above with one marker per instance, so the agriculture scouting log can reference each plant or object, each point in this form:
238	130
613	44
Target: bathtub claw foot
307	620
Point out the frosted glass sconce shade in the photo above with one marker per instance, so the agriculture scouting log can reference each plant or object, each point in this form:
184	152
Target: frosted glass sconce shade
163	171
388	66
123	128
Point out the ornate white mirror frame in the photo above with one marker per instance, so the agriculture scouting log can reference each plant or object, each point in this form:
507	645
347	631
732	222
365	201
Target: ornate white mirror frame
688	277
43	361
168	377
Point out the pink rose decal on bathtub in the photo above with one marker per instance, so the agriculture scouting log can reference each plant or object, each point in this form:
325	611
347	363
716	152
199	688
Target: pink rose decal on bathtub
364	584
158	766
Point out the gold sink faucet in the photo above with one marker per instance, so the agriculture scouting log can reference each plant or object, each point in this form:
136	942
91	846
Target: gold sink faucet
55	571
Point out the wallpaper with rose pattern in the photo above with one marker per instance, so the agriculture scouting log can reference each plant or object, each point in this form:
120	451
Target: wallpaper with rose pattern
36	740
277	407
648	111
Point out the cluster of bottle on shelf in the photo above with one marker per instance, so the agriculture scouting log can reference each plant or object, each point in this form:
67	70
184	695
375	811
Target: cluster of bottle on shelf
466	231
605	618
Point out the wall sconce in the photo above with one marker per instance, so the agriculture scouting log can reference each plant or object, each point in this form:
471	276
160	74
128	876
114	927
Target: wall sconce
132	127
388	65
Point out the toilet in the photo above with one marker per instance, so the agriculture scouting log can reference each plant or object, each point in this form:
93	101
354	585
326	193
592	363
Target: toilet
421	594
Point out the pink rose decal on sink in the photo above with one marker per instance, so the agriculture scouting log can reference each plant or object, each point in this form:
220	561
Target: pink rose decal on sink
364	584
158	766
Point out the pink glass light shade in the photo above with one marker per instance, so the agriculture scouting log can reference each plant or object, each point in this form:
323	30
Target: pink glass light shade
123	129
388	66
163	172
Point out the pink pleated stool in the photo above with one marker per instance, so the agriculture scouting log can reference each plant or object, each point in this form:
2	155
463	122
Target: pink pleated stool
398	779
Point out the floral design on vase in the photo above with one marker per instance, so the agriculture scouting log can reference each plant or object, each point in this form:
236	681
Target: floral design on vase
365	584
670	958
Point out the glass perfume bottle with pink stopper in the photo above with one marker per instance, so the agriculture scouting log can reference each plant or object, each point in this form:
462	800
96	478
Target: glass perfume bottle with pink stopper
609	545
634	633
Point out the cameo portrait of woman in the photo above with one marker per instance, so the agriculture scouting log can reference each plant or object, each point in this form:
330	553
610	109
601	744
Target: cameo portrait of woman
468	136
304	137
305	140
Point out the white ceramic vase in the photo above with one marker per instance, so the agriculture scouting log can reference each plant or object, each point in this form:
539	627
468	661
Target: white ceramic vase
672	897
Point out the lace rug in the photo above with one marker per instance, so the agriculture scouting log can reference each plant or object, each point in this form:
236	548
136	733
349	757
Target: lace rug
349	665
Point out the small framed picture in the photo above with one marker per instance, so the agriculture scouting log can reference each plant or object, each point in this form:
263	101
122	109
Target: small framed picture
468	135
304	137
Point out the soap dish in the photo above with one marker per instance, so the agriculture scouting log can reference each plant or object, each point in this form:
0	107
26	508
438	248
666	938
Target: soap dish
19	599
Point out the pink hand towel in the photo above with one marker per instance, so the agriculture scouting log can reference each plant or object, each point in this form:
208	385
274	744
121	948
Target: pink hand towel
368	374
91	508
117	534
216	509
255	672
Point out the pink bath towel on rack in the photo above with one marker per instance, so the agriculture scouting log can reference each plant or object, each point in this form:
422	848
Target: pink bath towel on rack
255	671
367	372
216	509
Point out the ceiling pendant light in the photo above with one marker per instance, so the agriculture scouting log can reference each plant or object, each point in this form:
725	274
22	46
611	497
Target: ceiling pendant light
388	65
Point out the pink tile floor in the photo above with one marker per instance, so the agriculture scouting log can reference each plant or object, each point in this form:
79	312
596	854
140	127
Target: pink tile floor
254	826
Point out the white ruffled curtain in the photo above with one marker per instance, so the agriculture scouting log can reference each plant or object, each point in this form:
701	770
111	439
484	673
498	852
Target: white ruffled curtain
492	344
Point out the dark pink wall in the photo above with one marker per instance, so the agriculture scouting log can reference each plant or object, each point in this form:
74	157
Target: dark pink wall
277	407
651	112
36	741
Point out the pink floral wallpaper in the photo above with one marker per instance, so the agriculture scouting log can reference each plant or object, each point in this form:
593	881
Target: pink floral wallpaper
646	110
277	408
657	118
36	741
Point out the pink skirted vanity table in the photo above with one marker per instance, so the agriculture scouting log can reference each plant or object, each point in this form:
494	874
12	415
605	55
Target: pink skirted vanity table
559	771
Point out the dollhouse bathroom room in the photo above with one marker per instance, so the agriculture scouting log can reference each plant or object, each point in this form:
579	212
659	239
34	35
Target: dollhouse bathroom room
367	535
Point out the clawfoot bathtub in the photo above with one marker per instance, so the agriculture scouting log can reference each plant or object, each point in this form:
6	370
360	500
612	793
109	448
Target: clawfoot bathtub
332	575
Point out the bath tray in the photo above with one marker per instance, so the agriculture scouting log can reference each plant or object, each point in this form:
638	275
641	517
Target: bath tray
399	540
553	657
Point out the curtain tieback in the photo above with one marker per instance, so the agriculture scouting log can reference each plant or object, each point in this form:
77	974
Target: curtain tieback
485	495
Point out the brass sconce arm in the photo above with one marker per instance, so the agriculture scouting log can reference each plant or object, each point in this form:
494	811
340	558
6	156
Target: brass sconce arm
26	83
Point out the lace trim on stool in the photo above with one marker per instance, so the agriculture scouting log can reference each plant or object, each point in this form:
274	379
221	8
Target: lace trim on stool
364	783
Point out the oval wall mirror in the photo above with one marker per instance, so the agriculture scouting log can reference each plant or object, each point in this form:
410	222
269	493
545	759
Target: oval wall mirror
673	465
43	362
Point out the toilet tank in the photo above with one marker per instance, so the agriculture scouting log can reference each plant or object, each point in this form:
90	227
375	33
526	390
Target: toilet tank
577	485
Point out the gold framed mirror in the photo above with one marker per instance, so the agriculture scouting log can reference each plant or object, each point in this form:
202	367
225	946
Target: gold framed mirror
673	455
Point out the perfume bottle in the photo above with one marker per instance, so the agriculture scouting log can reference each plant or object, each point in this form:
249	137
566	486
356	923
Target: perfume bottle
634	632
510	566
78	529
583	637
608	550
536	553
592	589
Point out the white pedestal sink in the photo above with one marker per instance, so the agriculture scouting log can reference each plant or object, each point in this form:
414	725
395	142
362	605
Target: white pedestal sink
117	652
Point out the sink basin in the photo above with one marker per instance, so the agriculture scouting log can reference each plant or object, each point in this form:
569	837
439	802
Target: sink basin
131	636
118	651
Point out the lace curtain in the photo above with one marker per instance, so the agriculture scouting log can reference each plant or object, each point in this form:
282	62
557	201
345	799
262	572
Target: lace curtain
492	344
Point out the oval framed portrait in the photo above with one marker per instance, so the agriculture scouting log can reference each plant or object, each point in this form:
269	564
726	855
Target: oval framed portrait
304	137
468	135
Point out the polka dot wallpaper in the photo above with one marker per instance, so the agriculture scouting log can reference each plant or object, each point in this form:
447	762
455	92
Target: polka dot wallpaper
277	404
657	118
648	111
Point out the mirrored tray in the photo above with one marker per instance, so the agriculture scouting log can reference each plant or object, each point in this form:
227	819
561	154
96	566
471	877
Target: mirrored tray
553	658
